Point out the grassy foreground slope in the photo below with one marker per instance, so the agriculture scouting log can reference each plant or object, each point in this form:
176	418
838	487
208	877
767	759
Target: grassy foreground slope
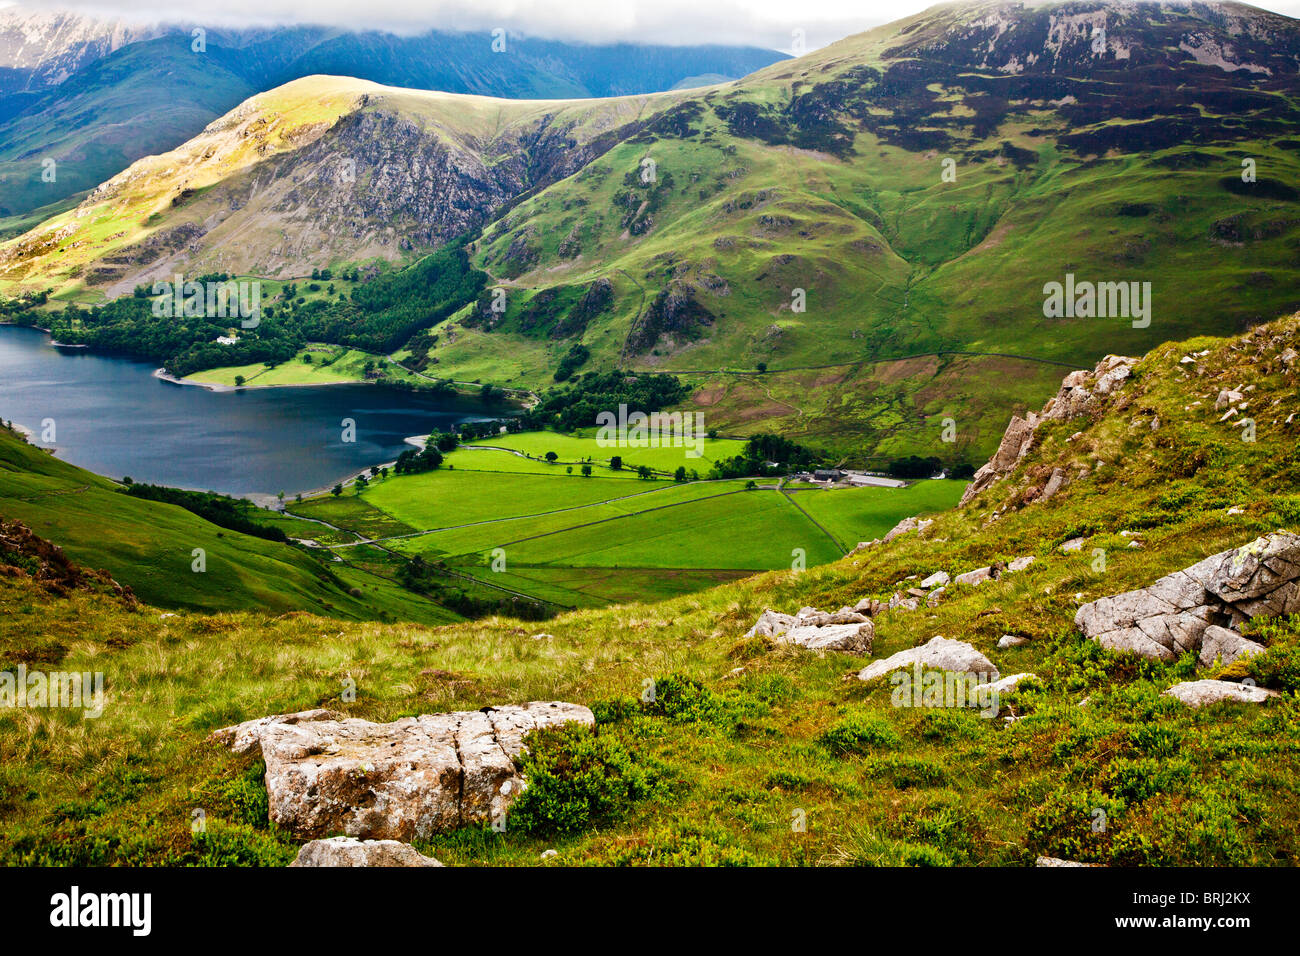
150	547
744	740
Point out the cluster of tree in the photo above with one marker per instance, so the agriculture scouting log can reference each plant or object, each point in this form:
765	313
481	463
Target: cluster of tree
28	300
759	450
914	466
573	360
232	514
430	579
412	462
379	317
577	404
766	446
472	431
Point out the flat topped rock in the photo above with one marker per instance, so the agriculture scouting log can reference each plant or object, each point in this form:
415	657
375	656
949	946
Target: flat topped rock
1198	693
939	653
405	780
349	851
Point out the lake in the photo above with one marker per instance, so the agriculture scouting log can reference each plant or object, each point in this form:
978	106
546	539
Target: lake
113	417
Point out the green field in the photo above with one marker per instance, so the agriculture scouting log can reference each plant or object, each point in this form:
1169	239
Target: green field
852	517
581	542
328	365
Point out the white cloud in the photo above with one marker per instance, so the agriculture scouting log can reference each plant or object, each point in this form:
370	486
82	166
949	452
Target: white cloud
765	23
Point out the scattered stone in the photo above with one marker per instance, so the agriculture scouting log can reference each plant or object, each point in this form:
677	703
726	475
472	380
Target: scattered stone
1008	684
935	596
1226	398
543	636
936	580
1074	544
1225	646
1058	480
1019	564
1011	640
349	851
906	526
550	854
329	774
1199	693
938	653
846	630
976	577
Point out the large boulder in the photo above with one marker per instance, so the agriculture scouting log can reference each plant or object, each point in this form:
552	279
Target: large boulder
405	780
939	653
349	851
1198	693
847	630
1171	616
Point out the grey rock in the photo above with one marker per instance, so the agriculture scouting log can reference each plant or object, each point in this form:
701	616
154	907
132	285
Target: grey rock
938	653
398	781
936	580
349	851
978	576
1225	646
1199	693
1172	615
1011	640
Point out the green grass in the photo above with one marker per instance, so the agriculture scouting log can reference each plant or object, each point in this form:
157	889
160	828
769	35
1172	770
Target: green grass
150	547
853	515
344	365
743	738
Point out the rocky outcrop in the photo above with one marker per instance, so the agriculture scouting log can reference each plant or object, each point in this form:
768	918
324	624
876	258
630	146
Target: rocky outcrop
847	630
1199	693
939	653
1081	393
349	851
1172	615
329	774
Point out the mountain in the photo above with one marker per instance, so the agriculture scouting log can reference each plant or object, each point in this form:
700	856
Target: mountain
853	248
709	744
96	95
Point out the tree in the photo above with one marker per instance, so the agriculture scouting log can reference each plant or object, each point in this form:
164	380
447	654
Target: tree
569	470
586	471
762	368
616	463
552	457
644	472
751	485
239	381
337	490
680	473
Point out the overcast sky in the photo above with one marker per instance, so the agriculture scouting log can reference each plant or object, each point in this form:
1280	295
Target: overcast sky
766	23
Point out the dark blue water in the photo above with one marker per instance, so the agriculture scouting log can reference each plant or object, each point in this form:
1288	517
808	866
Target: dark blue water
113	417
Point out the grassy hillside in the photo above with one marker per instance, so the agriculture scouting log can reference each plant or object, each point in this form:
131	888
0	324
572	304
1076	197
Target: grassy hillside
150	546
743	740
